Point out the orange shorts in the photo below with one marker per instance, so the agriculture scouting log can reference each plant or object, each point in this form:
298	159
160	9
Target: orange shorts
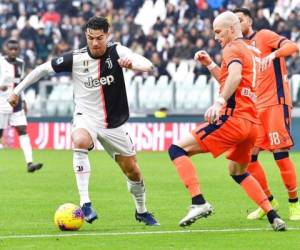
234	135
274	131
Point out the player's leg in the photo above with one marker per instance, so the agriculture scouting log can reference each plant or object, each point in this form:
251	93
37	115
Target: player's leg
256	170
255	193
119	146
180	155
280	141
1	137
83	139
25	145
136	187
19	121
4	121
289	178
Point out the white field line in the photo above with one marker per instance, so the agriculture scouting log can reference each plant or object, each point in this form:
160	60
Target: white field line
21	236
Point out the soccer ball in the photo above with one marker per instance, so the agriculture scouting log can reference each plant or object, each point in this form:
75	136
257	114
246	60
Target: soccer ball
68	217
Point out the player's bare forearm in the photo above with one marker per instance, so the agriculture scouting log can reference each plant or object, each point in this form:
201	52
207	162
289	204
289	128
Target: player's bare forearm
215	72
287	49
232	81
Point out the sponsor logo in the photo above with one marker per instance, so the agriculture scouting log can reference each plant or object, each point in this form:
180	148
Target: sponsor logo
247	92
104	80
109	63
59	60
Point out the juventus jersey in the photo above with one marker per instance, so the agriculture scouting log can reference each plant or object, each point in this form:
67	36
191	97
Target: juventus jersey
99	87
11	73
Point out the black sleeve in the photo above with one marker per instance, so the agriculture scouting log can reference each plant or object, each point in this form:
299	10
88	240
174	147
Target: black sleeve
63	63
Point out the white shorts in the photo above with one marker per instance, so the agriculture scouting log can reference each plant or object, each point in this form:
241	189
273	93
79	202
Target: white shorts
116	141
13	119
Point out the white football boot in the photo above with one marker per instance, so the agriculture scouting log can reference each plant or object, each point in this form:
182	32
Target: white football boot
196	212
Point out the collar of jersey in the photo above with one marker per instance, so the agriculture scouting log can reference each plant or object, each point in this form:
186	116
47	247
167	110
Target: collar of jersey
90	54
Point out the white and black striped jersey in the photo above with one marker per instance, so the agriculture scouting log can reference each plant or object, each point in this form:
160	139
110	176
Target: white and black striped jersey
99	87
11	73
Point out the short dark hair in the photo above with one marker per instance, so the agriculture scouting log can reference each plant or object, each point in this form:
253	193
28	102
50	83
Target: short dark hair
245	11
12	42
97	23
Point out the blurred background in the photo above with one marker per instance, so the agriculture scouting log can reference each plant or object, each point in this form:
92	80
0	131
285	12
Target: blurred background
168	32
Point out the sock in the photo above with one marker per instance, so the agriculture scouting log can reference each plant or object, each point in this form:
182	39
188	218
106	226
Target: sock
82	169
253	190
272	215
187	174
26	147
198	200
256	170
137	190
185	169
288	173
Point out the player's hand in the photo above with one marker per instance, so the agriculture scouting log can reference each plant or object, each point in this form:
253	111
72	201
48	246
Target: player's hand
213	113
13	100
267	61
125	63
203	57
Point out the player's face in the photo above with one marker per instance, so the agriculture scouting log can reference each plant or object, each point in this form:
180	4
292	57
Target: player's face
245	23
96	41
222	34
12	51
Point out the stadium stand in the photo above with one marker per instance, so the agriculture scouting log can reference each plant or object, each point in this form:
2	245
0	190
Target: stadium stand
169	37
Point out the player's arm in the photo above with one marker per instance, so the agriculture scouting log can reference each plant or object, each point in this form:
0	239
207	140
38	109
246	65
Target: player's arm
130	60
231	83
35	75
203	57
283	47
60	64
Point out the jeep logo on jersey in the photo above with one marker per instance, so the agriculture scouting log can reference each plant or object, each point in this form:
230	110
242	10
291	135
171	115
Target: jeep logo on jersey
104	80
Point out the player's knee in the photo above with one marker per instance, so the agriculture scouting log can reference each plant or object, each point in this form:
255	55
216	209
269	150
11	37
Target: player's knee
280	155
176	151
82	142
21	130
239	178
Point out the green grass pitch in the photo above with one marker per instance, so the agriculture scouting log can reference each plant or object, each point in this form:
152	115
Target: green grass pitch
28	203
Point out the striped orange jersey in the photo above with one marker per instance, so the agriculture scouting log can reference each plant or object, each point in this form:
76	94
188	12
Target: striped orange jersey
272	83
242	103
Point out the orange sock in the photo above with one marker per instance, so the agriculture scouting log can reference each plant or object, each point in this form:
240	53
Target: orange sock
255	192
288	174
187	174
256	170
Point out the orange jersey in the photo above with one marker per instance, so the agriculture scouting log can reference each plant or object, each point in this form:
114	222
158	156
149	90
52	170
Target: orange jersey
242	102
272	84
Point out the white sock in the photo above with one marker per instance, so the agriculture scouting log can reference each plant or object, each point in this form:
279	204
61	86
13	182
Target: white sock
137	189
82	169
26	147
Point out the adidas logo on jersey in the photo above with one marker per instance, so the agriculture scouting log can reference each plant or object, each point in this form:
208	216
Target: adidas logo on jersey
104	80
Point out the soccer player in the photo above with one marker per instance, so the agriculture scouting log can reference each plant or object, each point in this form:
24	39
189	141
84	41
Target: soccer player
101	109
274	111
230	127
11	72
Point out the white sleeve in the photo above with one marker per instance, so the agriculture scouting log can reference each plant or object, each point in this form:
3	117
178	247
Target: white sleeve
138	62
35	75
